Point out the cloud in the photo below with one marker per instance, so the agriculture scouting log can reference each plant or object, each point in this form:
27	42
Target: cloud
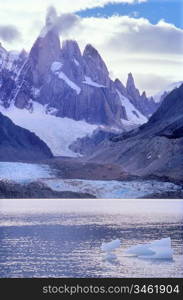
135	45
145	37
127	44
9	33
66	22
155	82
61	23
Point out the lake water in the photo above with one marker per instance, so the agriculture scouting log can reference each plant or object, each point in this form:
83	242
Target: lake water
62	238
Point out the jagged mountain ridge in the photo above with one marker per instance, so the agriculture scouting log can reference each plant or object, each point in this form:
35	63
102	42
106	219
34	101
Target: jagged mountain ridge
80	89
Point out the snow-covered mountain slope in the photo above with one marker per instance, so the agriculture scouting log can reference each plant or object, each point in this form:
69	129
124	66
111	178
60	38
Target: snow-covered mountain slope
57	133
159	97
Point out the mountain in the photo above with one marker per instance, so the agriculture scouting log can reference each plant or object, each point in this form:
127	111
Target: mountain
159	97
65	87
17	143
155	148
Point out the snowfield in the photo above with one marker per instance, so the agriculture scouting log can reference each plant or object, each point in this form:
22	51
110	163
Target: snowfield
57	133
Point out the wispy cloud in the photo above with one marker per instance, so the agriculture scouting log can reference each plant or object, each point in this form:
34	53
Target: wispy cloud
9	33
61	23
127	43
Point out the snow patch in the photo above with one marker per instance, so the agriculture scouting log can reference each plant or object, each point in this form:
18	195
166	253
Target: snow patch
70	83
89	81
76	62
55	68
58	133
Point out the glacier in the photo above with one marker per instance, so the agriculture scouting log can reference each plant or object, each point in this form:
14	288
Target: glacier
110	189
24	172
57	133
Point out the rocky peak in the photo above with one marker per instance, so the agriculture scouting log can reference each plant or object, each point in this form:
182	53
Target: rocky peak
44	52
90	51
51	16
23	54
95	66
119	85
131	88
144	95
130	82
70	50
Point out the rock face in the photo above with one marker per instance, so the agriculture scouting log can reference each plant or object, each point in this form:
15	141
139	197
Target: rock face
72	84
156	148
17	143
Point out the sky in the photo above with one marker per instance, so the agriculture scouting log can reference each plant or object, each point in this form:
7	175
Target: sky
144	37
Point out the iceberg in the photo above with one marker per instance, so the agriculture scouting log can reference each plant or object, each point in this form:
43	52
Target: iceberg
159	249
110	257
111	246
140	250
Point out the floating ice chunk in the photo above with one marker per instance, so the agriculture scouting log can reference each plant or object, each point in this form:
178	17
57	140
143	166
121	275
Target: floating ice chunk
166	242
161	253
140	250
108	247
160	249
110	256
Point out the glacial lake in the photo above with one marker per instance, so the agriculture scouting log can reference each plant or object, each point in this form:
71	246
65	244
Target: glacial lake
62	238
